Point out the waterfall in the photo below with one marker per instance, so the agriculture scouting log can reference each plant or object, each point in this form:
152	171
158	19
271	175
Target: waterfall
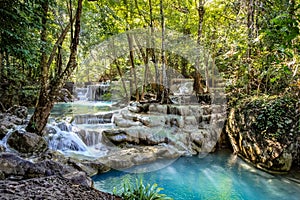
83	136
64	140
81	131
96	92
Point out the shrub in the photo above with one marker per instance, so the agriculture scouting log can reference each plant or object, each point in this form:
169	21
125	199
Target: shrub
141	192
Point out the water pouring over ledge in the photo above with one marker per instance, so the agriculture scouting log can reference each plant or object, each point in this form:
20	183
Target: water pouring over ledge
75	128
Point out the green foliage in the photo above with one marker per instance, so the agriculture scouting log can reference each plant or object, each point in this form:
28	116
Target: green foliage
261	59
106	97
141	192
274	117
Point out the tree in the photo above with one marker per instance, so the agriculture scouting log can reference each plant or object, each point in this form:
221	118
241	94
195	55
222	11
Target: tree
50	88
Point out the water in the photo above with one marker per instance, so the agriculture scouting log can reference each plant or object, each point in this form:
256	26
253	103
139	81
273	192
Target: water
80	107
80	140
217	176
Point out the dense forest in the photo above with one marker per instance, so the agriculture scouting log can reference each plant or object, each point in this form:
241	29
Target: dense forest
44	43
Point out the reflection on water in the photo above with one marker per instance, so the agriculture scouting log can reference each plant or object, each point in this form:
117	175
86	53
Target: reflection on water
217	176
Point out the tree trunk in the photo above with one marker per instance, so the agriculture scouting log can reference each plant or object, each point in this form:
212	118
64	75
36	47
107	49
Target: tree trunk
131	58
120	72
152	50
145	56
250	28
164	82
198	86
1	65
51	88
40	117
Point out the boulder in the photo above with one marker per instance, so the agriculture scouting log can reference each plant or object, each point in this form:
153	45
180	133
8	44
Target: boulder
15	167
12	165
119	136
27	143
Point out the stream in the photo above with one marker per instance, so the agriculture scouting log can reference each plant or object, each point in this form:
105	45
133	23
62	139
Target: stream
219	175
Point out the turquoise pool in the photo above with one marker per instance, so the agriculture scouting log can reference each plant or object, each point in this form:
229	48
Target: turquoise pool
216	176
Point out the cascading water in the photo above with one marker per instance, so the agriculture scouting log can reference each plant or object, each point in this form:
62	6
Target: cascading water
81	133
96	92
81	93
65	140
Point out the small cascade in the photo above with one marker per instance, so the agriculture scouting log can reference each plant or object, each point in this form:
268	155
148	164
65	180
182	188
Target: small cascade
96	92
90	137
81	93
182	90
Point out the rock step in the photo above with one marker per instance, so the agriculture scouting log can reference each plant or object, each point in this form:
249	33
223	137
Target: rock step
93	119
186	110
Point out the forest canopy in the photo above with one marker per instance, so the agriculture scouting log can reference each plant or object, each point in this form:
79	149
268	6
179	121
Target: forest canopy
254	43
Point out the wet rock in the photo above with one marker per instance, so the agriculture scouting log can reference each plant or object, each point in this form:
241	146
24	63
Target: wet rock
125	158
121	122
118	136
179	110
3	131
90	137
12	165
64	126
2	148
95	167
27	143
93	119
64	140
152	120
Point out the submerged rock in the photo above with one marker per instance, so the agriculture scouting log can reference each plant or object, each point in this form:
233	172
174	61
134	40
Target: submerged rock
137	155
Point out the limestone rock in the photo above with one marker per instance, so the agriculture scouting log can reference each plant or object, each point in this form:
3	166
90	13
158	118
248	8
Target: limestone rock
125	158
274	154
15	167
157	108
